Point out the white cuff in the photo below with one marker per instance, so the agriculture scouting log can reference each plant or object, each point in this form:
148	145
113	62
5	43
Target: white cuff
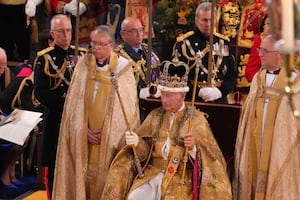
30	7
193	152
210	93
72	8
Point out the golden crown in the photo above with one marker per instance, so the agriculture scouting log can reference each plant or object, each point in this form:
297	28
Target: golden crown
174	76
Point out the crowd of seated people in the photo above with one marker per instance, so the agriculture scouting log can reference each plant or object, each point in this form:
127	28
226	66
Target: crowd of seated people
18	94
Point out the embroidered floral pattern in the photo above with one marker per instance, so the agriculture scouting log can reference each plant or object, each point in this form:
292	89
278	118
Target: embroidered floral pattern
209	179
171	170
115	193
211	154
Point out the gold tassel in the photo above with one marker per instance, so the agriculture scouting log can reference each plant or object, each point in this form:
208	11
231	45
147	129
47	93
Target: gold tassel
34	31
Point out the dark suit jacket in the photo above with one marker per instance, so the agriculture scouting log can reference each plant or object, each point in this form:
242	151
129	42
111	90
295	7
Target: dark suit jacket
25	98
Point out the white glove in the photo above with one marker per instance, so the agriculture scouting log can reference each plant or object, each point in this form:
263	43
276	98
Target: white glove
210	93
131	138
72	8
157	94
144	93
30	7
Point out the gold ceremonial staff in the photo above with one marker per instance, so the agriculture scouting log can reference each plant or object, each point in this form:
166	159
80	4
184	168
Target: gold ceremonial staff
148	75
209	81
77	33
211	41
185	158
136	158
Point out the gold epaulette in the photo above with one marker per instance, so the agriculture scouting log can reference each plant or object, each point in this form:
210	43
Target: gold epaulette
118	48
145	45
79	48
222	36
12	2
182	36
44	51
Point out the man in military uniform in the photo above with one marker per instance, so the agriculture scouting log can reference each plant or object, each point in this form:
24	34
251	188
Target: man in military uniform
193	48
53	72
133	48
240	20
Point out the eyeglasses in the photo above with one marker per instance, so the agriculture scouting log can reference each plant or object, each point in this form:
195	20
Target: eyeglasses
264	51
63	31
99	44
135	31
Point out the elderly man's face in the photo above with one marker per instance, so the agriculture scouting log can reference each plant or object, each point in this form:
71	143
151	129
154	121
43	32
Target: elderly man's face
3	62
133	32
269	56
101	46
203	22
172	101
62	33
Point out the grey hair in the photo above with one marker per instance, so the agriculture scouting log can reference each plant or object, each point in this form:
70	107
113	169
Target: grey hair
104	29
205	6
56	18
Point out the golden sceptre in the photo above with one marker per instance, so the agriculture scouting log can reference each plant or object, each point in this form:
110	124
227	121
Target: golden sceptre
77	33
209	83
185	158
136	158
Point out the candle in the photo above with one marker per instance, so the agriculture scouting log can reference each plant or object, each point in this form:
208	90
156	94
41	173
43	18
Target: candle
287	25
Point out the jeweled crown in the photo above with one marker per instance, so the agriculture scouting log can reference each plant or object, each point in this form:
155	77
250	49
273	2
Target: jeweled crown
173	76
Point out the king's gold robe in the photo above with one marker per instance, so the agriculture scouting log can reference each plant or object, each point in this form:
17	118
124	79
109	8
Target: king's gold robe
212	177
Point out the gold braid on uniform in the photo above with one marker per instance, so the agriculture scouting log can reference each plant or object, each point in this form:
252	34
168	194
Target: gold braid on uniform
58	76
138	67
17	97
200	55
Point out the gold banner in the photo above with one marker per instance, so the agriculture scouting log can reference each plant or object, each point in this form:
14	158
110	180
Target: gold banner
139	9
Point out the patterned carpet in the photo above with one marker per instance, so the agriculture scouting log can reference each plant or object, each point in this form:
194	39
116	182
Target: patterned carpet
29	184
